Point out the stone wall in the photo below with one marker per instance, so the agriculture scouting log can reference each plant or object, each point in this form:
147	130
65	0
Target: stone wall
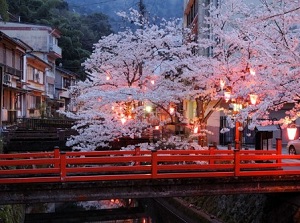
246	208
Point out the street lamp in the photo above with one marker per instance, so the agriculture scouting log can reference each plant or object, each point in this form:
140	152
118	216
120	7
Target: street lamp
291	131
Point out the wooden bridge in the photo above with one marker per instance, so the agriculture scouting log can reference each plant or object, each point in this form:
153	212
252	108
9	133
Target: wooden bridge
77	176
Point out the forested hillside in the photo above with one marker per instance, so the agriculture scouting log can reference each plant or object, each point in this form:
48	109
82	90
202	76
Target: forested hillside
78	32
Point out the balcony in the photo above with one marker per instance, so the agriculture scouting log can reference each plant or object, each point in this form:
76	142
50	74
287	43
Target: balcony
55	51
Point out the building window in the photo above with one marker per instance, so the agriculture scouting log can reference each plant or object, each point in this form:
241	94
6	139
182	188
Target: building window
50	89
6	100
34	102
1	54
35	75
18	61
192	13
9	57
66	82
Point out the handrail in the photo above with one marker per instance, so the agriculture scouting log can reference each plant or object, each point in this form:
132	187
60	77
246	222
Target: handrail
74	166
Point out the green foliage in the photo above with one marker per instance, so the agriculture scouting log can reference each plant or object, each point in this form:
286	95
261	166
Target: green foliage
3	10
78	32
12	213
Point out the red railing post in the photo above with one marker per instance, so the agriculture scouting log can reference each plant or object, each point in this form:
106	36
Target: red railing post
278	149
137	153
154	163
211	149
63	166
56	155
238	135
237	145
237	160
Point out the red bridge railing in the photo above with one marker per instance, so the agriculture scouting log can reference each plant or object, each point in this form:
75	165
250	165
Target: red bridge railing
59	166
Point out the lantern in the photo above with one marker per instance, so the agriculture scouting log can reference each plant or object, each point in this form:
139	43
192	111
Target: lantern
172	110
148	108
123	120
253	98
252	72
222	84
227	95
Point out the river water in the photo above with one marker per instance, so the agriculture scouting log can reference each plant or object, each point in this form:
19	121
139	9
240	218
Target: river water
140	211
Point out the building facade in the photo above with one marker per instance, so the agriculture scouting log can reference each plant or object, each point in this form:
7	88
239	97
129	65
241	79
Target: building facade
64	79
195	12
44	85
12	54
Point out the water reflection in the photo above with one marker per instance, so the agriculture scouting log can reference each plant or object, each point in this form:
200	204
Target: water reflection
105	211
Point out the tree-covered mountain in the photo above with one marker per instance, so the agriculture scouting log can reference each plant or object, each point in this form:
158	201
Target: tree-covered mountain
154	8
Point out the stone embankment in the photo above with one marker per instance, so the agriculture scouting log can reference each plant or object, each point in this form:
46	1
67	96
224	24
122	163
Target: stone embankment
249	208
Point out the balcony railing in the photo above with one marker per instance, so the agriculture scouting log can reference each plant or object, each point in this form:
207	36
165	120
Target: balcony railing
55	49
13	71
41	124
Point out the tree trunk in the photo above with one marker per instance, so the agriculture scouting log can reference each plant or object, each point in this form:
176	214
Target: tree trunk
202	139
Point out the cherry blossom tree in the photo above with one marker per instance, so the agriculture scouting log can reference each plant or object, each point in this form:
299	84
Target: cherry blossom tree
135	76
255	50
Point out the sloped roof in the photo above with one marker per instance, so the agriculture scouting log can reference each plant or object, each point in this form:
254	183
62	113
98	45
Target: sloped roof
267	128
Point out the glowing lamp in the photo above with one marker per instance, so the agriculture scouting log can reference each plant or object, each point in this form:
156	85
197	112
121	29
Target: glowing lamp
148	108
222	84
172	110
291	131
236	107
156	127
152	82
253	98
196	130
123	120
227	95
252	72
